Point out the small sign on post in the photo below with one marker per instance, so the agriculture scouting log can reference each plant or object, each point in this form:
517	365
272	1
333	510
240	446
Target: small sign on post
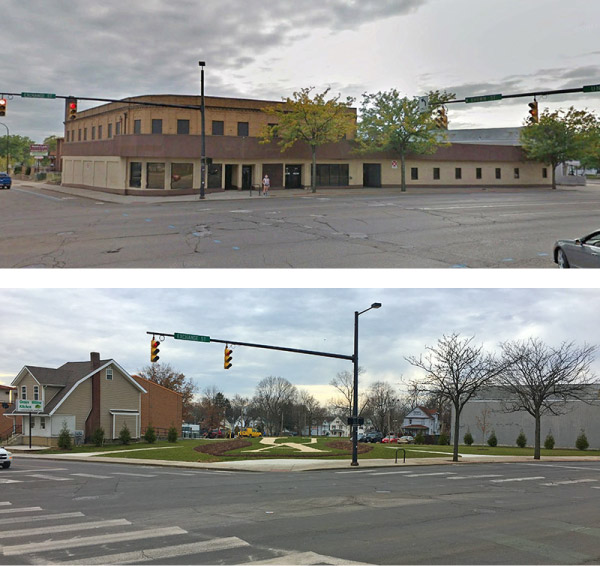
29	406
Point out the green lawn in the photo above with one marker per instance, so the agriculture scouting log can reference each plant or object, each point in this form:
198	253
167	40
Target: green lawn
183	450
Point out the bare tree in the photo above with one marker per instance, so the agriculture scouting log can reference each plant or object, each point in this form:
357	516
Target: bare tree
311	410
483	422
540	379
455	371
273	395
382	403
239	405
344	383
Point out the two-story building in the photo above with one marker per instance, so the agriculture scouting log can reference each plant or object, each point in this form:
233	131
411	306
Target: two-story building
421	420
130	148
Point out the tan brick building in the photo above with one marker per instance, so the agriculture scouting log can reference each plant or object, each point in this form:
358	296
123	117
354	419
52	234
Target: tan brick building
127	148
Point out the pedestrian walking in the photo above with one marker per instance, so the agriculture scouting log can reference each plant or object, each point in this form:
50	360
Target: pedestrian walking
266	185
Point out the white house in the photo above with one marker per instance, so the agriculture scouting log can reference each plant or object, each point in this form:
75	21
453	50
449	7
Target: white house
421	420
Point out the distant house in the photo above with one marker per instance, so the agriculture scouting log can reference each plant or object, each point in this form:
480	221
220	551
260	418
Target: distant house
7	426
82	396
421	420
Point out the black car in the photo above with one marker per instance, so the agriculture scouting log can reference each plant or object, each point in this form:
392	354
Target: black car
373	437
581	252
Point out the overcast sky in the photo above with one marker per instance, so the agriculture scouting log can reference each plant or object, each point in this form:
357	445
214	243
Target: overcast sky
267	49
48	327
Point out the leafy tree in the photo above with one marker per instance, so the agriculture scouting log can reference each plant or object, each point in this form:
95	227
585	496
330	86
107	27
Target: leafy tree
493	440
521	440
214	407
391	123
582	442
150	435
540	379
172	435
559	136
313	120
19	150
549	442
125	434
165	375
64	437
98	436
468	438
456	370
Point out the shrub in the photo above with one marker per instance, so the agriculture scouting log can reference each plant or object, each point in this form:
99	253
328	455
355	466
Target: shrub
419	439
521	440
98	436
582	442
125	435
549	442
172	435
18	169
64	438
468	438
443	440
150	435
492	440
28	170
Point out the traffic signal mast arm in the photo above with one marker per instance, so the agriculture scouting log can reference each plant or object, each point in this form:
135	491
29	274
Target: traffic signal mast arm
267	347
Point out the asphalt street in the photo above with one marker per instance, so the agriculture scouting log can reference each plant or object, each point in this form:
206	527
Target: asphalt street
43	227
67	512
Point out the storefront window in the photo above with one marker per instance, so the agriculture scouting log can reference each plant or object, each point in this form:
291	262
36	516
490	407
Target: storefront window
155	176
135	174
214	178
182	175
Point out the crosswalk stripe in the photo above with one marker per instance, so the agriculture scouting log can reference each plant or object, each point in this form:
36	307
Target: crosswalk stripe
431	474
519	479
63	528
307	558
12	472
567	482
53	517
389	473
47	477
5	503
482	476
20	510
164	553
134	475
92	476
2	480
89	541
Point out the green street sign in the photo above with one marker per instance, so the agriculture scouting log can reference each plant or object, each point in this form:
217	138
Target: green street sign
591	88
487	98
37	95
191	337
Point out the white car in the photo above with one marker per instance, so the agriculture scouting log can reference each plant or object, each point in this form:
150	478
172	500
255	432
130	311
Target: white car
5	458
406	440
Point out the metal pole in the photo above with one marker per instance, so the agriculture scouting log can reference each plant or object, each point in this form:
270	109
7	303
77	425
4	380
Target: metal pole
30	430
355	395
7	146
203	153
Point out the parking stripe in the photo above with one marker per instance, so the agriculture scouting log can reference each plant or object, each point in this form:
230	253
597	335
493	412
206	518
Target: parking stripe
519	479
62	528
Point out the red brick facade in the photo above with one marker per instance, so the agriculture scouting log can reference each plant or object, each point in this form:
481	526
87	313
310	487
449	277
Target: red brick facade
6	406
161	407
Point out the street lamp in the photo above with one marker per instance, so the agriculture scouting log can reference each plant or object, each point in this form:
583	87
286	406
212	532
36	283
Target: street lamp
203	151
355	401
7	146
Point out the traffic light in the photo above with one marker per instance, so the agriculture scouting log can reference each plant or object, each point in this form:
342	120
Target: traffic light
154	350
228	356
534	117
71	108
2	106
441	120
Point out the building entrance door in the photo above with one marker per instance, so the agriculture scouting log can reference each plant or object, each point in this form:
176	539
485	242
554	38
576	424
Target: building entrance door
293	176
229	178
371	174
246	177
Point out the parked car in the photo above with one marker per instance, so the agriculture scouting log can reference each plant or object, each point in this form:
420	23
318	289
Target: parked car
217	433
361	437
250	432
406	440
374	437
5	458
390	439
581	252
5	181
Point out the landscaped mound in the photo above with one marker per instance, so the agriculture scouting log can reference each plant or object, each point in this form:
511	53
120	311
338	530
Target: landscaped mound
221	448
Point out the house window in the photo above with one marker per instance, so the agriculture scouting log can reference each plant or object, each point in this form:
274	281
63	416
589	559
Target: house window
109	374
137	126
436	173
545	172
84	134
24	392
93	132
243	129
43	423
478	173
458	173
99	132
156	126
218	127
79	134
183	127
498	173
517	173
135	174
36	392
110	131
414	173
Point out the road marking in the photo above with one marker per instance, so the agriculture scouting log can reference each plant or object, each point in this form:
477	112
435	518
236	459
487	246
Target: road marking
164	553
476	477
5	503
37	470
519	479
37	195
431	474
46	477
556	554
355	472
53	517
92	476
20	510
587	469
79	542
134	475
62	528
10	481
389	473
567	482
307	558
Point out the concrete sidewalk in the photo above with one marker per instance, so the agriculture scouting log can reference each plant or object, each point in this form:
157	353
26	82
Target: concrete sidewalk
289	464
